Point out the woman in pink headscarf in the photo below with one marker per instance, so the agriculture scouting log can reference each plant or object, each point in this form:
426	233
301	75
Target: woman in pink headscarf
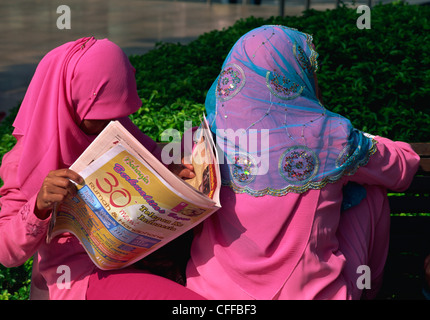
76	90
293	225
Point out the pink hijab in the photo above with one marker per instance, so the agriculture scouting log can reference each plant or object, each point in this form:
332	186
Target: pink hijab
84	79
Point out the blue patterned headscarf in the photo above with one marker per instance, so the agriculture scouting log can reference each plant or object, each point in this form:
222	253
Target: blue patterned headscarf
275	135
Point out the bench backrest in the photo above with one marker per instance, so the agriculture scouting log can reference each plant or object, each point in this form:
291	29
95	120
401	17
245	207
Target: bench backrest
417	198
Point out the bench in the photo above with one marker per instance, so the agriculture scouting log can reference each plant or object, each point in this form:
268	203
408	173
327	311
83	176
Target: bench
409	235
409	242
414	199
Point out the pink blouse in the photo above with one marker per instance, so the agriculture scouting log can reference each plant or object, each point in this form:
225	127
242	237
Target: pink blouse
294	261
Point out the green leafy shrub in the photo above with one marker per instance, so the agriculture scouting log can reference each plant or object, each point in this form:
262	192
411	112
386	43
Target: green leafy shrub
15	282
7	140
378	78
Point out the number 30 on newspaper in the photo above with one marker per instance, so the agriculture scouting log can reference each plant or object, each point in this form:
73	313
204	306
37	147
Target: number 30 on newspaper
131	205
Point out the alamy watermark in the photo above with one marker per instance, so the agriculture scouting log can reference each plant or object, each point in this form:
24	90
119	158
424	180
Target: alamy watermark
363	21
64	21
363	281
254	142
63	281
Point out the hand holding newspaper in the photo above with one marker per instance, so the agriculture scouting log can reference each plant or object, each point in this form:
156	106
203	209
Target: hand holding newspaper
131	204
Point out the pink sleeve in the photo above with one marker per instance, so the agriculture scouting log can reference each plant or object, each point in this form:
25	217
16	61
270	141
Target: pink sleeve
21	231
392	166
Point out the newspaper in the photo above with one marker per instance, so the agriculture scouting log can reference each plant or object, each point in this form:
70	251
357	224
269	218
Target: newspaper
131	204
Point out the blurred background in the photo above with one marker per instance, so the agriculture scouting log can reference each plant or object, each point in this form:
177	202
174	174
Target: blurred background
28	28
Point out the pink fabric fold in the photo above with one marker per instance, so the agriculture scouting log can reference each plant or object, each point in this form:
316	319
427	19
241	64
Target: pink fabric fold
84	79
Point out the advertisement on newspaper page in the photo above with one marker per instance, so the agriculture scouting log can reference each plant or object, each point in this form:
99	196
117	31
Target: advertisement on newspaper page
126	209
204	161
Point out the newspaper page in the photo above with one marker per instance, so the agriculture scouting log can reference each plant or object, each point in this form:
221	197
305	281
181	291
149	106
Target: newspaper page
127	210
204	160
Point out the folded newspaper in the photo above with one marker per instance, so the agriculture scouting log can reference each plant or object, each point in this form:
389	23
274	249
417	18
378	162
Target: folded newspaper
131	204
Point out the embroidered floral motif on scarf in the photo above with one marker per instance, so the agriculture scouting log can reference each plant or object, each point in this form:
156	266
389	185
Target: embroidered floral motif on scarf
298	164
281	86
302	58
230	81
345	158
244	169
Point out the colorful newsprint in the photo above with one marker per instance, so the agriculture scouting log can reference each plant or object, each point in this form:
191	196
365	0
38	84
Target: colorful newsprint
131	204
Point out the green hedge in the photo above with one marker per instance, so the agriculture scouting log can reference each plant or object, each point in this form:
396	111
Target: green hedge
379	78
15	282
